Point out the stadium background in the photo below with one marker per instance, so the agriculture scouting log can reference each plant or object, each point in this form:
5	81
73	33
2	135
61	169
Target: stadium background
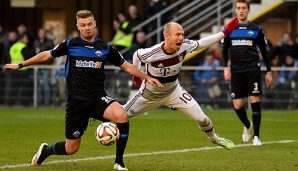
59	16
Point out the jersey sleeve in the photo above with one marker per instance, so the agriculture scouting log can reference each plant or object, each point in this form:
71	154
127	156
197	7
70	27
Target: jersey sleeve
60	50
136	60
225	52
114	57
262	43
192	45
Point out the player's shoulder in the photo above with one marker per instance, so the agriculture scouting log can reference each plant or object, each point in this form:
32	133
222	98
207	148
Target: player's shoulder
148	52
254	26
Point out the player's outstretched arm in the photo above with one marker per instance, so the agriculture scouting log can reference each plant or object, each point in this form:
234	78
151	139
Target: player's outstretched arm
129	68
209	40
39	58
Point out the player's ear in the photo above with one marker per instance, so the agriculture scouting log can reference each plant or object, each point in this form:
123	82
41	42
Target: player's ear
77	26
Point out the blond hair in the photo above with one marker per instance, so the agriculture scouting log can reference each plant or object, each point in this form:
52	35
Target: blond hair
84	14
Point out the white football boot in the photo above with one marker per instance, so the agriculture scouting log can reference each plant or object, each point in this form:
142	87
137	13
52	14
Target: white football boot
119	167
246	133
256	141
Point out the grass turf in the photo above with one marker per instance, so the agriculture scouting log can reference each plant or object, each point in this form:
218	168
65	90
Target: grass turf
165	140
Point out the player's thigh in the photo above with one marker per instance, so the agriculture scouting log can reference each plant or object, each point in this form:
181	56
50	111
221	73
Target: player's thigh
115	112
76	118
140	105
254	83
239	88
179	98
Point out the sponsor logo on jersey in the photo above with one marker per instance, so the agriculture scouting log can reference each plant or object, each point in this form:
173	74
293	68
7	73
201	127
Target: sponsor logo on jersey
98	53
250	33
242	42
88	64
242	28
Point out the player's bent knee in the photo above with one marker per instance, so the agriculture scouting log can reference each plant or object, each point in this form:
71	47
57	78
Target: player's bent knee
120	116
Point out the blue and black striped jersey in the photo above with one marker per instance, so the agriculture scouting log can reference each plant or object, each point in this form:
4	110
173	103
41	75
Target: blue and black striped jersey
242	45
84	68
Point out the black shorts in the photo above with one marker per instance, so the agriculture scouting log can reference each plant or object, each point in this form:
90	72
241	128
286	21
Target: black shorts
245	84
78	113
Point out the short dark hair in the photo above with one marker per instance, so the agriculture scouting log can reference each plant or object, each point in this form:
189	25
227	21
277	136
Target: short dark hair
242	1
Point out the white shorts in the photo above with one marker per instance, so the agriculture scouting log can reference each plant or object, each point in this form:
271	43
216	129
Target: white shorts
178	99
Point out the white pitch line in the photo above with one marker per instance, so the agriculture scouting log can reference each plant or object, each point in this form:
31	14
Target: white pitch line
144	154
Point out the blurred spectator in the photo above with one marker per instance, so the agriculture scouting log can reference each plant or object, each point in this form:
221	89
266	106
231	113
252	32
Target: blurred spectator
283	47
139	44
43	75
287	76
8	40
22	29
59	82
286	82
2	37
216	51
207	80
74	33
123	36
295	50
156	6
134	19
50	35
19	88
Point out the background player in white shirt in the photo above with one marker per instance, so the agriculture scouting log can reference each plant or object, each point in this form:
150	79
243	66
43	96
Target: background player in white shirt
163	62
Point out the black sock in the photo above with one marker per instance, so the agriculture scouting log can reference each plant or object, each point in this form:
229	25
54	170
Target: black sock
121	143
256	117
241	113
57	148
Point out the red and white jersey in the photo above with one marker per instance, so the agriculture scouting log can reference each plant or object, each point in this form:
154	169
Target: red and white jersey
166	67
162	66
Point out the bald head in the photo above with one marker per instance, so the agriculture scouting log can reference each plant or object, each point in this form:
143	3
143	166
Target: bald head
170	26
174	35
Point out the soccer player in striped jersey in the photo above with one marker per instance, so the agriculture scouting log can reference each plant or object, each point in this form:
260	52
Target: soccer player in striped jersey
163	61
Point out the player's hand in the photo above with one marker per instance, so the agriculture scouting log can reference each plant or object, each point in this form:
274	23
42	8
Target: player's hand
154	82
268	79
11	67
227	74
137	81
231	26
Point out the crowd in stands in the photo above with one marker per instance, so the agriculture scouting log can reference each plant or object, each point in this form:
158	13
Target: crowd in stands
17	86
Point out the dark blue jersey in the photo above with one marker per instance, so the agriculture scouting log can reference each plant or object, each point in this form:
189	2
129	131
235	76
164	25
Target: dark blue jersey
242	45
84	68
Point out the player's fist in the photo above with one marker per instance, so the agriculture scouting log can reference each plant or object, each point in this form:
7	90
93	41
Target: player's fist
136	81
231	26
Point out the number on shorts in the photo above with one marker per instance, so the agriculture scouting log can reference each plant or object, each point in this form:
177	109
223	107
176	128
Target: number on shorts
256	86
107	99
185	97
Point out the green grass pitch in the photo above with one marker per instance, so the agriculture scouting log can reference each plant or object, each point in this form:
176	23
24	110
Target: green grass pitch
165	140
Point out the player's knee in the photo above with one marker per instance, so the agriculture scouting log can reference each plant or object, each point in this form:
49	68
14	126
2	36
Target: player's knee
121	117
